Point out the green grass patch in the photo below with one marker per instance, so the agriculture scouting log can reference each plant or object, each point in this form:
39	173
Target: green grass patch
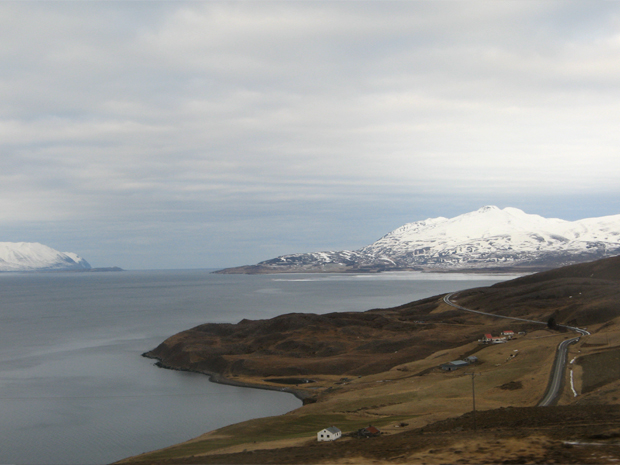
374	402
269	429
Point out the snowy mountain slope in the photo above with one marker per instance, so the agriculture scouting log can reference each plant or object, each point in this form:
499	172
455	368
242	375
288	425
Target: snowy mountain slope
32	256
493	236
487	238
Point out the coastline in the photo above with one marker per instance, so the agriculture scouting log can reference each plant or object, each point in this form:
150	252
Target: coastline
490	270
413	399
217	378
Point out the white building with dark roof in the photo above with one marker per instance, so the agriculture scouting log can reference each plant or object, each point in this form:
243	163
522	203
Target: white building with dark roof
328	434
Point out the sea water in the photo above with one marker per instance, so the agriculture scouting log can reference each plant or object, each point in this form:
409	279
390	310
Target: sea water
75	390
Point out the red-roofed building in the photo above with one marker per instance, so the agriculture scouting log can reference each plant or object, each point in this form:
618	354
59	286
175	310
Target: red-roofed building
370	431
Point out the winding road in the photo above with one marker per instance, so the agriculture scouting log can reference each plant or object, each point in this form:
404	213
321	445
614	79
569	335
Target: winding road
559	364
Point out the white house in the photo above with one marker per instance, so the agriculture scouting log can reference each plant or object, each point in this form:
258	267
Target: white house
328	434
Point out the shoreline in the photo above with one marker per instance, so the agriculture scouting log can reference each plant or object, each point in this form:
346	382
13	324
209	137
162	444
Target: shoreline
508	270
219	379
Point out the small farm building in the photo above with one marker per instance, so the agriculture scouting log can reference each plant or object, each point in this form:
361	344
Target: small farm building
455	365
328	434
471	359
369	432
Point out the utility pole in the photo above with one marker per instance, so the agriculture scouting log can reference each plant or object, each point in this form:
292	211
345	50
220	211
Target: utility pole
473	396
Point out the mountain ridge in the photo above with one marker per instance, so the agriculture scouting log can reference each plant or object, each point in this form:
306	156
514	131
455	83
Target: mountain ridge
33	256
489	238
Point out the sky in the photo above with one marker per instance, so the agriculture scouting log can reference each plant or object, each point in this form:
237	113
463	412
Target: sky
208	134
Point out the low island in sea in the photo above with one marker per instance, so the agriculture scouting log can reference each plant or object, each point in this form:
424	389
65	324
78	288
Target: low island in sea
456	378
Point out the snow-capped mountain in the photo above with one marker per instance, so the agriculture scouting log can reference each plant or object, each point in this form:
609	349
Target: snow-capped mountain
487	238
32	256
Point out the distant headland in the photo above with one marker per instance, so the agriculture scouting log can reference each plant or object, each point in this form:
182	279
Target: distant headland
36	257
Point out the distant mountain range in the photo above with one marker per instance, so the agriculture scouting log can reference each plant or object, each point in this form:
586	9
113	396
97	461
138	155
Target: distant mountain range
487	239
32	256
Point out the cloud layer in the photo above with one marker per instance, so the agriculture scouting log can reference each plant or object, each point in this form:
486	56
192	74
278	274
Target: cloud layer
197	134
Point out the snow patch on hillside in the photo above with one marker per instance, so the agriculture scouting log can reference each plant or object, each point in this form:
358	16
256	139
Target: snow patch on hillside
486	238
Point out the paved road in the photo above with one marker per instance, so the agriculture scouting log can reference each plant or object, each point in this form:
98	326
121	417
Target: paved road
559	364
557	373
447	300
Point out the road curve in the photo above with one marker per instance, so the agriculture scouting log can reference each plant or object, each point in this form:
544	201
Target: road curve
559	364
557	373
447	300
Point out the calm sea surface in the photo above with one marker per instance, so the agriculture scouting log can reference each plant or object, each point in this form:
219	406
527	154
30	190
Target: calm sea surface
75	390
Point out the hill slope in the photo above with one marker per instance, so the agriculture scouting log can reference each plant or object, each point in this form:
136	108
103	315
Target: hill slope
370	342
424	413
578	295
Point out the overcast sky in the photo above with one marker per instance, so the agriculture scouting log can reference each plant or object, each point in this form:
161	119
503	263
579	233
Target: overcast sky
177	134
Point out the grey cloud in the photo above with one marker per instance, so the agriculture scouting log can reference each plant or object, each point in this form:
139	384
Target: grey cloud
277	115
